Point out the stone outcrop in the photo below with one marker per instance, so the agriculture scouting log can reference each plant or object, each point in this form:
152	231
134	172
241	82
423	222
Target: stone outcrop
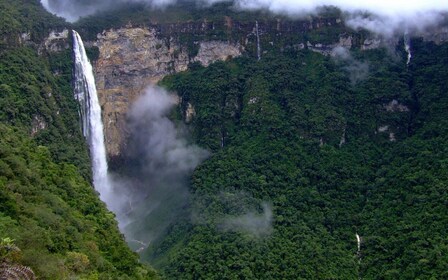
55	42
212	51
129	60
344	42
38	124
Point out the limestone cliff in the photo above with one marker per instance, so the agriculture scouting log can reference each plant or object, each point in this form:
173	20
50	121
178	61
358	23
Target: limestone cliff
130	59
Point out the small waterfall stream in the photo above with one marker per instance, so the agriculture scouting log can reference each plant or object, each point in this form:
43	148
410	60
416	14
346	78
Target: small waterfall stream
358	252
407	47
258	40
90	113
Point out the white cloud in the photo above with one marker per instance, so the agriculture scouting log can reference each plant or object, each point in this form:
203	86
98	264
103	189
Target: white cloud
386	17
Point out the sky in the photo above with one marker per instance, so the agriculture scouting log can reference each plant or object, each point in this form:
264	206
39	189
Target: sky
390	16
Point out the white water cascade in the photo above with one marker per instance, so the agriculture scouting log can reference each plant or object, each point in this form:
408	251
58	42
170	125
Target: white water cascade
358	252
258	41
358	240
90	113
407	46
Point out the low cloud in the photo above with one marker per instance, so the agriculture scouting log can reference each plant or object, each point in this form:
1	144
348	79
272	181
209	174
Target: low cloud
153	181
253	222
230	210
379	16
357	70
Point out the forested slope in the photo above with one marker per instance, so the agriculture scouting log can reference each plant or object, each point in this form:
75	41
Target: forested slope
51	219
305	156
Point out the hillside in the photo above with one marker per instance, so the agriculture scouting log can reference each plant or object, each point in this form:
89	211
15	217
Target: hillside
295	148
304	160
51	219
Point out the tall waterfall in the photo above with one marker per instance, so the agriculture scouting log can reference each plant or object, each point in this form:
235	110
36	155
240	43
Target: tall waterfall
90	113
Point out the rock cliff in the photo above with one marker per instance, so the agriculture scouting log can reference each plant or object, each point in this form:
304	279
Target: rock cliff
131	58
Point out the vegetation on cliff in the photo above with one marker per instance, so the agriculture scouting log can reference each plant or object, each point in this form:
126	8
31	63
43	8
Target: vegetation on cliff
51	219
306	158
307	155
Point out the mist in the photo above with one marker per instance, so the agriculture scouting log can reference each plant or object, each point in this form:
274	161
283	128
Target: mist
356	70
253	222
378	16
152	186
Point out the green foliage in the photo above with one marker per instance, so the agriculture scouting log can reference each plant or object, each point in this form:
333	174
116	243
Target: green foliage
25	16
57	215
47	205
293	132
36	95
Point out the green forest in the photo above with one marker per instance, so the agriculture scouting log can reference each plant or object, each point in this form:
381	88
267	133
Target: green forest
275	129
308	153
51	219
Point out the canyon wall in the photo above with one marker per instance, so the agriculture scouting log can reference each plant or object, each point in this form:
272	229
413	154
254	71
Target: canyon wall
131	58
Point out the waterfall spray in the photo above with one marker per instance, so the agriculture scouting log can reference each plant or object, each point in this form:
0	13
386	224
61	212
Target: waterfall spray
90	114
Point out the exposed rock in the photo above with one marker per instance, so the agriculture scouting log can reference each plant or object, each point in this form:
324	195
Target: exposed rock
37	124
383	128
130	59
437	35
392	137
189	113
253	100
395	106
55	42
25	37
371	43
215	50
387	129
344	42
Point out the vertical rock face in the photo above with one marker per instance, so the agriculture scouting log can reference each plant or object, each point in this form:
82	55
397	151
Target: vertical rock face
129	60
55	42
212	51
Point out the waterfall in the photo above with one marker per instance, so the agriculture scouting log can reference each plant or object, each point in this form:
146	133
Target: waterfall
358	252
258	40
358	240
407	46
90	114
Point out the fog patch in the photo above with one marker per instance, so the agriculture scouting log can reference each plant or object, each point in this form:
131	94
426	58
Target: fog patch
357	70
255	223
384	17
72	10
230	210
153	180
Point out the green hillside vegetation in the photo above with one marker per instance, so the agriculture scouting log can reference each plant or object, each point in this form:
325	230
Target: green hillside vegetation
55	217
281	120
188	12
24	16
306	153
51	219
